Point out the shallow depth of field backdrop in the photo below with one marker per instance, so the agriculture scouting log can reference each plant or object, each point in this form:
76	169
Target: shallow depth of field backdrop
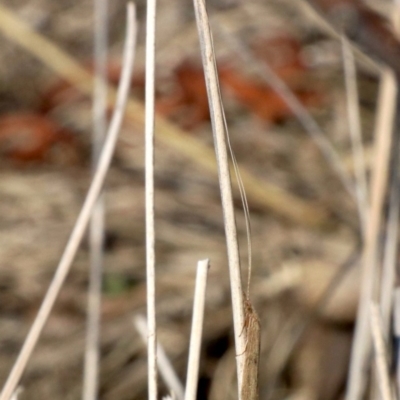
302	234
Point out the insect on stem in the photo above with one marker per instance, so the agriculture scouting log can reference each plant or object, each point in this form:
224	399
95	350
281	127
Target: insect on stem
249	390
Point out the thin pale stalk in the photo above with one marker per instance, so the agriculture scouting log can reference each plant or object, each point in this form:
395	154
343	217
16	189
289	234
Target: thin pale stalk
17	392
381	359
149	198
96	232
192	376
217	120
361	350
309	124
83	218
164	365
353	112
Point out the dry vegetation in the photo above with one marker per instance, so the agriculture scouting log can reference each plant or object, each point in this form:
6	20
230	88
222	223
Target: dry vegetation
304	236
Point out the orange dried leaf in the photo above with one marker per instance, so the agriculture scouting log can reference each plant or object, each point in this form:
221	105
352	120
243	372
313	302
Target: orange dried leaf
27	136
190	96
261	99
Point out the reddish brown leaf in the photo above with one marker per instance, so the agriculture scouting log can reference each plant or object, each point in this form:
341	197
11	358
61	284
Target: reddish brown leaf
29	137
261	99
189	97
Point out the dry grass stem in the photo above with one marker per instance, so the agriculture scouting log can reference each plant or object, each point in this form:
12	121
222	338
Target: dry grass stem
259	192
83	218
381	359
217	120
17	392
383	138
353	111
164	365
92	356
192	376
149	199
308	306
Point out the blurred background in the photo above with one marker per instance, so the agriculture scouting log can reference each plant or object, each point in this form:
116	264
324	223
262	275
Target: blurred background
305	225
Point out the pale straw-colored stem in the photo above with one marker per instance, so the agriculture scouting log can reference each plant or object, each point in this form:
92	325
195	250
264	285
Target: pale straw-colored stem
149	198
353	112
164	365
361	350
381	359
83	218
96	232
220	143
17	392
192	376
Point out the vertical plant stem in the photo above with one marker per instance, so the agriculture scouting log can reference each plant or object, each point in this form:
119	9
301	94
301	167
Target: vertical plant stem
353	112
217	120
361	350
197	330
83	218
165	367
387	102
381	359
92	351
149	199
